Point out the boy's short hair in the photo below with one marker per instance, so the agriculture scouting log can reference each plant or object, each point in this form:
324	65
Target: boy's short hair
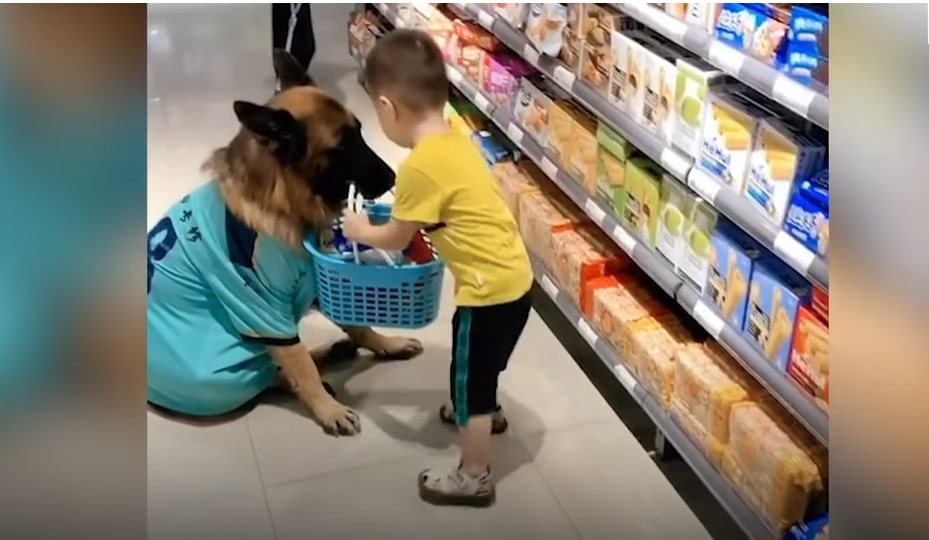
407	67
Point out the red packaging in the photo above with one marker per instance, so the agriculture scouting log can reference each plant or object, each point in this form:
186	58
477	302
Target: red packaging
809	355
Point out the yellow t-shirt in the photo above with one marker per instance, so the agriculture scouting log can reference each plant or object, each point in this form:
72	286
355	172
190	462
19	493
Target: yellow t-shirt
446	183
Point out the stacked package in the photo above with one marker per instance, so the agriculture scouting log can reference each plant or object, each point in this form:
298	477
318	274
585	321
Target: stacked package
614	308
654	345
515	180
539	218
773	465
580	256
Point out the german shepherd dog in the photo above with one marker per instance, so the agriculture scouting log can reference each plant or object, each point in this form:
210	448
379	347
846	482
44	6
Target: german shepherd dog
228	276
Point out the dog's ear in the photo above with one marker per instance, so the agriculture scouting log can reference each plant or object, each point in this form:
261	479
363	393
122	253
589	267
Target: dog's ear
289	71
276	128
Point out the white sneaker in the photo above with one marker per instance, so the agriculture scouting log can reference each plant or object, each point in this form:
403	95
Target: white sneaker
456	487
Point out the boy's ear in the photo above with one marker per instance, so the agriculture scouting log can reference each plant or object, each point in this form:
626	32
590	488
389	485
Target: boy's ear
276	128
388	105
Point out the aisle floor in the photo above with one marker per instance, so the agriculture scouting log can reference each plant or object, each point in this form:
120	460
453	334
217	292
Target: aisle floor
568	468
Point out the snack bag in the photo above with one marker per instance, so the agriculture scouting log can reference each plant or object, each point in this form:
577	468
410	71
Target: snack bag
732	258
775	294
809	356
501	75
570	53
544	26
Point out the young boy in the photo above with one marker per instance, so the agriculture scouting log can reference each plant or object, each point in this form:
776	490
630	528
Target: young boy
446	188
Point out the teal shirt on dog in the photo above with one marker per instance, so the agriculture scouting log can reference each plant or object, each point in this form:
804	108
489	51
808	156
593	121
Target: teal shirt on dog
218	294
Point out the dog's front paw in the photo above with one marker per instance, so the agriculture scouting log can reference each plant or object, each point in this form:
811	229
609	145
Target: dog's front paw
398	348
335	418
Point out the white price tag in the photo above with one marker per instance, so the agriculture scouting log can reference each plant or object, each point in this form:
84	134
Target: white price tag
593	210
587	332
514	133
531	55
726	57
549	168
550	288
792	251
482	103
564	77
708	319
626	241
793	94
624	376
675	162
454	75
485	19
705	185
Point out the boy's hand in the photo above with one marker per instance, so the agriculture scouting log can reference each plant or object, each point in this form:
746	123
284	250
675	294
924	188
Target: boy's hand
355	226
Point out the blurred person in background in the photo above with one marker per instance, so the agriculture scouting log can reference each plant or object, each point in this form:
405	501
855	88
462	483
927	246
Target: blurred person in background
292	30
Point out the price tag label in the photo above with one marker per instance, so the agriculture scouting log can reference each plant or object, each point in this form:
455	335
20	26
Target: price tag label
549	168
454	76
626	378
726	57
708	319
626	241
564	77
793	94
593	210
482	103
514	133
550	288
587	332
705	185
792	251
675	162
485	19
531	55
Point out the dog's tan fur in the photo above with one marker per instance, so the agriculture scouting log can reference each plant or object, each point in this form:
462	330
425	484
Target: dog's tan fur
268	197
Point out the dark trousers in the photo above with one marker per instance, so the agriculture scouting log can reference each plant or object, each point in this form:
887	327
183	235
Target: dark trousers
303	45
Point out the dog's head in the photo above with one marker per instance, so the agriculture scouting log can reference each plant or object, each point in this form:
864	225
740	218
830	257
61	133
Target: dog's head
310	140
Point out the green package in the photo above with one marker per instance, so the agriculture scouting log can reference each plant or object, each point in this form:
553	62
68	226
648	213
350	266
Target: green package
639	213
695	260
612	153
675	209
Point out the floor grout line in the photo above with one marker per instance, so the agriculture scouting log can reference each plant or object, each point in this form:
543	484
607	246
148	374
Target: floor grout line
264	491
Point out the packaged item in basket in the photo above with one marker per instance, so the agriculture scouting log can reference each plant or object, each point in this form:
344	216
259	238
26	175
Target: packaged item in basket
615	308
654	344
694	78
579	256
582	159
639	213
570	53
612	152
501	75
514	14
539	220
471	33
774	296
471	62
597	28
675	205
729	129
781	155
732	258
544	26
809	355
775	468
698	229
658	110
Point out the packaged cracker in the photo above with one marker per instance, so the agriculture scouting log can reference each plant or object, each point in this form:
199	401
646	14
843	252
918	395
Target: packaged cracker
582	159
544	26
698	229
639	212
694	79
532	106
625	52
674	207
570	53
579	256
733	255
614	309
658	112
539	220
706	392
774	296
612	152
597	28
562	118
655	342
809	355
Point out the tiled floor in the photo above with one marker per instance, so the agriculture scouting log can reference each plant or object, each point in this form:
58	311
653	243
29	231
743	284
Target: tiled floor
568	468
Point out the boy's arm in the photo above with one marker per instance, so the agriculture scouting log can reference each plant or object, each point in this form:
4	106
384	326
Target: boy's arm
393	235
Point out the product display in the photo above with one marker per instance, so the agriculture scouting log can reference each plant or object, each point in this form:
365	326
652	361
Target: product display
544	26
570	53
809	355
774	296
654	344
675	206
501	75
694	78
698	229
580	256
612	153
808	214
639	211
733	255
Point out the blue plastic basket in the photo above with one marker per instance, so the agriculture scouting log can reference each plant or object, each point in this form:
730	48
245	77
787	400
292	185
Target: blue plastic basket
353	294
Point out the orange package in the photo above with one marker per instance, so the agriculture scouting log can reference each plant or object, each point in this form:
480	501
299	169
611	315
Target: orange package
809	356
539	218
579	256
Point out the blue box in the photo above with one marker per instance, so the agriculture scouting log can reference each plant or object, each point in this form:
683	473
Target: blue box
808	215
774	296
732	258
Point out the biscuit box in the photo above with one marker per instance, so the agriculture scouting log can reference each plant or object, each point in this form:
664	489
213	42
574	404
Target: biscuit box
757	29
612	153
641	61
539	220
698	229
694	78
623	50
639	213
775	294
675	205
501	75
808	215
820	303
729	128
614	309
703	15
532	106
654	345
570	53
561	125
544	26
582	159
658	107
732	258
809	355
781	156
579	256
597	27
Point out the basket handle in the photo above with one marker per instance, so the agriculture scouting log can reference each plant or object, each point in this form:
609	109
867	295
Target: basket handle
354	202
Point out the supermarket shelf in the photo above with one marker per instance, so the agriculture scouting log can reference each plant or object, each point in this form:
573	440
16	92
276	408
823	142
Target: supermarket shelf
811	103
776	240
784	390
674	161
743	515
651	263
